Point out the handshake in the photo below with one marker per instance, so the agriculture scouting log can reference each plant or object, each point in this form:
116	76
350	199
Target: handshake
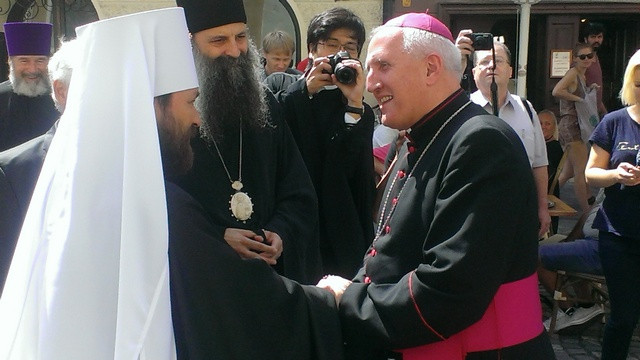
335	284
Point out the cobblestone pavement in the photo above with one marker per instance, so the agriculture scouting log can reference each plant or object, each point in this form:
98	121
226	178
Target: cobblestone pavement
582	342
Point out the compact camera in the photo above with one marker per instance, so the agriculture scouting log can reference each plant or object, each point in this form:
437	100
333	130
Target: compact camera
344	74
481	41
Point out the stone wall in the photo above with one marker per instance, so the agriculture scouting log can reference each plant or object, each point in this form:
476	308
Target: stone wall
112	8
369	10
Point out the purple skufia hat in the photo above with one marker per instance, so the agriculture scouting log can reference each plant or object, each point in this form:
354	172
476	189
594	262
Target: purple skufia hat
28	38
422	21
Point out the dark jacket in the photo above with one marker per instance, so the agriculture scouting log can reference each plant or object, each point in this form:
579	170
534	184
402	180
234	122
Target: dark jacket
23	118
275	178
339	158
224	307
19	170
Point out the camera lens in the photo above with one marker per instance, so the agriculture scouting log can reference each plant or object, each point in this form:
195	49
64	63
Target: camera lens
344	74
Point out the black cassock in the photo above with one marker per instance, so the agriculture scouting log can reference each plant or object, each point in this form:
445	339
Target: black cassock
23	118
224	307
459	222
275	178
339	158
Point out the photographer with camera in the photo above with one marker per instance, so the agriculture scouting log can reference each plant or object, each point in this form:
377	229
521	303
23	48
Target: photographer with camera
333	128
492	65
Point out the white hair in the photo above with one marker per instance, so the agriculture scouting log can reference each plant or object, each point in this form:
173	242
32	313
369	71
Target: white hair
420	43
61	65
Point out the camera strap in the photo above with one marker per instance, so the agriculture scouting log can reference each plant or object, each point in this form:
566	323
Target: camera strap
527	107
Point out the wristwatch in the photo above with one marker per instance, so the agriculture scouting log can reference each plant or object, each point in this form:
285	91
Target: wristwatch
354	110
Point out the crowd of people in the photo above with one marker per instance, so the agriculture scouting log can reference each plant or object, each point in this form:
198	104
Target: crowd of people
202	199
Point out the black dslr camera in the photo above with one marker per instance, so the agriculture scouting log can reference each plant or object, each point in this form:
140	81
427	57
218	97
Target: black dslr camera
344	74
481	41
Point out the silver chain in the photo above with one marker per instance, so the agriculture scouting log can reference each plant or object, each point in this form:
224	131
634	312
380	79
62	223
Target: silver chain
239	161
386	200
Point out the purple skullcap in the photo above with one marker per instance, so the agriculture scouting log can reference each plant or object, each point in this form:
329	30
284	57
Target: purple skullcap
422	21
28	38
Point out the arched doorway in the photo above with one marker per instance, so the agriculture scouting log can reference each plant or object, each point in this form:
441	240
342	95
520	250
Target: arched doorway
264	16
65	15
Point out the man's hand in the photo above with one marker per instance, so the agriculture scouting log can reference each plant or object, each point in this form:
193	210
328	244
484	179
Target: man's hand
545	221
275	246
465	45
319	76
249	245
354	91
335	284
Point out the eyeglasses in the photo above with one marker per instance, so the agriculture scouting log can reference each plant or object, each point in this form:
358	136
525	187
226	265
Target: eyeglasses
484	63
334	46
586	56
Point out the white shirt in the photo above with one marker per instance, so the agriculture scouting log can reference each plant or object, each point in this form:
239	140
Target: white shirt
529	130
383	135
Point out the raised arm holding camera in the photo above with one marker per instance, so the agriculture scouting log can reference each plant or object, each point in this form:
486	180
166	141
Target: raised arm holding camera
467	42
491	73
334	67
333	128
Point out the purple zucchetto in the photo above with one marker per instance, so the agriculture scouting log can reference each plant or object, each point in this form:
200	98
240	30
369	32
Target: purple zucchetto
28	38
207	14
422	21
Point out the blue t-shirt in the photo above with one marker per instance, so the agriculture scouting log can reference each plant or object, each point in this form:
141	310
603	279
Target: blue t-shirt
619	135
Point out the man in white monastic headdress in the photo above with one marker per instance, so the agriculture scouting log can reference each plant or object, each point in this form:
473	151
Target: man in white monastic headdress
90	274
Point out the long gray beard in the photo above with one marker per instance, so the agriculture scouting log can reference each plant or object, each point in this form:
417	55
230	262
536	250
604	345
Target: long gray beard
231	93
22	87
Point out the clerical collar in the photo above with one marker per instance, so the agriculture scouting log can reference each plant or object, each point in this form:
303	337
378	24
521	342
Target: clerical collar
431	122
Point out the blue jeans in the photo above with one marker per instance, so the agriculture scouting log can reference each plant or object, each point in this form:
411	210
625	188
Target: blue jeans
580	255
620	257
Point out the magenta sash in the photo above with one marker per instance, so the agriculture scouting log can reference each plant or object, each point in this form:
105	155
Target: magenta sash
514	316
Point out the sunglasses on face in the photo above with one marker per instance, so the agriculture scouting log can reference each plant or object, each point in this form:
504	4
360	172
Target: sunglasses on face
586	56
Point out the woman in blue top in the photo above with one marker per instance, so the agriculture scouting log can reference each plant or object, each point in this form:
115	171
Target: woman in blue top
613	164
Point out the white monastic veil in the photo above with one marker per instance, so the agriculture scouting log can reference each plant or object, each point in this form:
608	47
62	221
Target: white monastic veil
89	278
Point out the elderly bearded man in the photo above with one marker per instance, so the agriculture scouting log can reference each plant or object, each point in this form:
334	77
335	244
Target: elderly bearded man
248	173
26	107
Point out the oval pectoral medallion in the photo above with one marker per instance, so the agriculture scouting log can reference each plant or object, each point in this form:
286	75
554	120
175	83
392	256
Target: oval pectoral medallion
241	206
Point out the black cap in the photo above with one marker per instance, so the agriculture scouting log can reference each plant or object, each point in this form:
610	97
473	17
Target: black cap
207	14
